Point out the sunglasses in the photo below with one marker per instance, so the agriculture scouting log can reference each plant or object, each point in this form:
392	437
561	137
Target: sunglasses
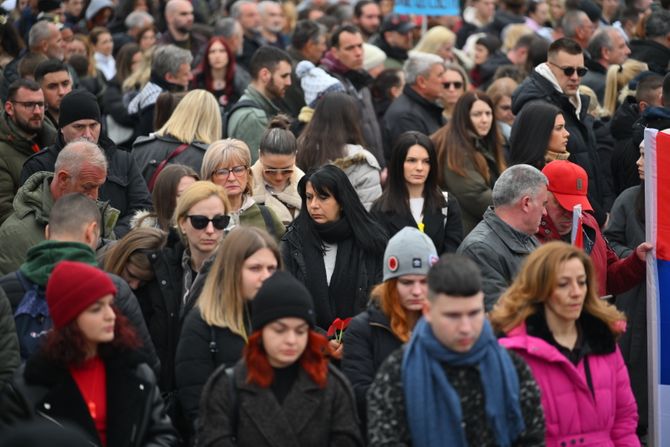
276	171
457	85
569	71
236	170
219	221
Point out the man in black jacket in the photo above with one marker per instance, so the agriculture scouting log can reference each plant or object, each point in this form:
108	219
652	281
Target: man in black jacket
417	108
73	233
124	188
557	82
655	48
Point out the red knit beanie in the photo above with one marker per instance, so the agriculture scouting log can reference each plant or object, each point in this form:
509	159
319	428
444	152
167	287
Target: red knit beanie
72	287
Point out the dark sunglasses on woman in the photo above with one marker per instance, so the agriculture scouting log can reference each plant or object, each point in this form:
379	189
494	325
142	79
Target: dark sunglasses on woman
219	221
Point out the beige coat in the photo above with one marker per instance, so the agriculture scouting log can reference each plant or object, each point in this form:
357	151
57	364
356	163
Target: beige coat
277	202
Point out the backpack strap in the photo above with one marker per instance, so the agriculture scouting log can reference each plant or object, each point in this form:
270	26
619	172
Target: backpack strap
267	218
180	149
234	401
445	209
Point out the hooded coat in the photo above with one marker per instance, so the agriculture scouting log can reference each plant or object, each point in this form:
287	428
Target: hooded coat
25	227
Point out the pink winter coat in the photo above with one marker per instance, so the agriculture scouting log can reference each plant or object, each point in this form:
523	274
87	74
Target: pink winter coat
573	417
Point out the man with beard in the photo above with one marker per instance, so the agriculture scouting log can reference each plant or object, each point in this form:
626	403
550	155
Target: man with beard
367	16
55	80
272	24
23	131
246	13
179	19
270	71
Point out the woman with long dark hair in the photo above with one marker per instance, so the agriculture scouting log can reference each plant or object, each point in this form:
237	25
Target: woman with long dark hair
334	135
413	198
283	392
538	136
625	231
552	316
216	73
88	372
334	246
470	155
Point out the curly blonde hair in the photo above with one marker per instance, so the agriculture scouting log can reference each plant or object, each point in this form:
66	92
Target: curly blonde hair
537	280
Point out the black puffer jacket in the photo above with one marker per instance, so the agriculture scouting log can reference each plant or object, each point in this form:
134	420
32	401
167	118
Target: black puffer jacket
124	189
201	349
410	111
582	142
367	342
125	300
44	389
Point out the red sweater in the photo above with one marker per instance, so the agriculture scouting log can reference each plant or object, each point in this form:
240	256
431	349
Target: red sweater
91	379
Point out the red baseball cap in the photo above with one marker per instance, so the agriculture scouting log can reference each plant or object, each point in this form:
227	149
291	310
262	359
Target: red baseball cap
569	184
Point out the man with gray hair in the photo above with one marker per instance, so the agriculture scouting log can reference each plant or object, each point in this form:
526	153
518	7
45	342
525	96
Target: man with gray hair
606	47
417	108
170	72
654	49
81	166
231	32
247	15
578	27
272	24
135	21
44	38
501	241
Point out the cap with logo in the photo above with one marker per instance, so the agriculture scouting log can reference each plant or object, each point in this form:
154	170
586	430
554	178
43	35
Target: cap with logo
409	252
569	184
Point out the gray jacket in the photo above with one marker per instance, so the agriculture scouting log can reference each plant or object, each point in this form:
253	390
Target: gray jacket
363	171
498	249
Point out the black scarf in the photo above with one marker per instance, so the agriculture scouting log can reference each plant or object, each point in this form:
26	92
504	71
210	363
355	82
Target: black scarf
339	298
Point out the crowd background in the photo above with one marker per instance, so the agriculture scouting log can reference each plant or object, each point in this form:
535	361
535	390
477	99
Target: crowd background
190	149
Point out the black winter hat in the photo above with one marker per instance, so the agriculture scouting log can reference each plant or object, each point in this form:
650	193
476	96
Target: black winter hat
281	296
78	105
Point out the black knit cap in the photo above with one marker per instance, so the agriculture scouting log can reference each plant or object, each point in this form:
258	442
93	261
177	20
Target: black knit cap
78	105
281	296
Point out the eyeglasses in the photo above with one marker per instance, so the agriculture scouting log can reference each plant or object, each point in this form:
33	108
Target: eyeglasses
278	171
505	107
236	170
457	85
219	221
31	105
569	71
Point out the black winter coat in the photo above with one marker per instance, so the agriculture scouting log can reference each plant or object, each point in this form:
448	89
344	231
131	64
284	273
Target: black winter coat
309	416
367	342
112	105
368	275
44	389
202	348
124	188
656	56
446	233
151	150
410	111
125	300
582	142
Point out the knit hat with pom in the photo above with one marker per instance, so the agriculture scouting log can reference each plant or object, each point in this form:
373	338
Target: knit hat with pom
315	82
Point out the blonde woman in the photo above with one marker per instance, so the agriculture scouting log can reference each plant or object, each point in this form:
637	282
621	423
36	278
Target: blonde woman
184	138
441	40
228	164
616	83
217	329
201	216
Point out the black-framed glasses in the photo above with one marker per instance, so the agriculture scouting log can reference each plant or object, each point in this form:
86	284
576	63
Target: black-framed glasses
31	105
220	221
278	171
569	71
236	170
456	84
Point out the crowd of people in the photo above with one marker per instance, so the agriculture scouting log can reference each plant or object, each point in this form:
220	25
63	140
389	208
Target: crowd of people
320	222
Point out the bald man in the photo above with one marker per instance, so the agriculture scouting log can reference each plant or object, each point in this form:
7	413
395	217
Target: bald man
179	20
